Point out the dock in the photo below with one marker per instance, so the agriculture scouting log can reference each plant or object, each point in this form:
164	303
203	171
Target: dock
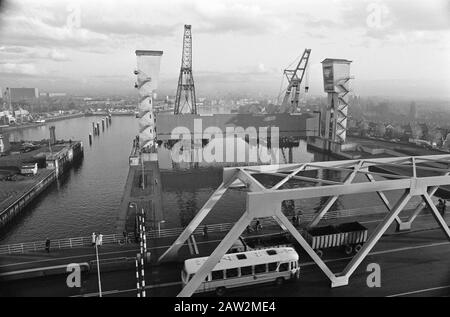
143	191
50	161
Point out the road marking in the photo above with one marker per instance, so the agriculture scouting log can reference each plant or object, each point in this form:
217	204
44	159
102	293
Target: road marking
421	291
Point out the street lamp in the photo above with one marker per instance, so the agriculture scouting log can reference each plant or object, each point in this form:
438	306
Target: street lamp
98	241
159	227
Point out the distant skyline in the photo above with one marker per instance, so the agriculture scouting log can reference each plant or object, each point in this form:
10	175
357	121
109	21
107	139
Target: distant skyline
399	48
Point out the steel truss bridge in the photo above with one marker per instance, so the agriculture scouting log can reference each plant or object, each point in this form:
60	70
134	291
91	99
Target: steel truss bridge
423	176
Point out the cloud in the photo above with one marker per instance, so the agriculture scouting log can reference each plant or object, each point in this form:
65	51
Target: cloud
57	56
23	53
249	18
387	20
18	69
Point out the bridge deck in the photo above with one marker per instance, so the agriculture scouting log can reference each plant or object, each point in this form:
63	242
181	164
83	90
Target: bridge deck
402	257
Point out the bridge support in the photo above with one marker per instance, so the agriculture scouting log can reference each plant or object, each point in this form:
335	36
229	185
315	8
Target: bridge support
263	201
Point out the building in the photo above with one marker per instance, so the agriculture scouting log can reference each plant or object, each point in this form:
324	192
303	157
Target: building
20	94
52	94
29	169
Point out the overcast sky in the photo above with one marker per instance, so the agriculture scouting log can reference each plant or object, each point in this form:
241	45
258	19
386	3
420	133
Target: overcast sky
398	47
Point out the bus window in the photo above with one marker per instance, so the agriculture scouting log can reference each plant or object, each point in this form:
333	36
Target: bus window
232	273
273	267
284	267
260	269
246	270
217	275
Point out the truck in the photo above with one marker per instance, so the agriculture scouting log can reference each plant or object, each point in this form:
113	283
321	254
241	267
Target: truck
348	236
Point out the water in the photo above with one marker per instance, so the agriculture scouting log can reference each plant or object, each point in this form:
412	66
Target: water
87	198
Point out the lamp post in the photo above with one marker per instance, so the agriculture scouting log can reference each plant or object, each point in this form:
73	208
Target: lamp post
159	227
97	242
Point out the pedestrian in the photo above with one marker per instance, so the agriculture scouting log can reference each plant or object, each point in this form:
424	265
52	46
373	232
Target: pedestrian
440	205
294	220
47	245
100	239
205	231
93	239
298	221
258	225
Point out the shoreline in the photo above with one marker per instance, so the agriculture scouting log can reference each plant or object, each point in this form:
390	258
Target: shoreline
60	118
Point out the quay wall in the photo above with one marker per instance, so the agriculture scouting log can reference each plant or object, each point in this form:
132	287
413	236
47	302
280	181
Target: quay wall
57	164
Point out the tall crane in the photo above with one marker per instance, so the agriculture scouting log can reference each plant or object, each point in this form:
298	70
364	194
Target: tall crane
295	78
185	99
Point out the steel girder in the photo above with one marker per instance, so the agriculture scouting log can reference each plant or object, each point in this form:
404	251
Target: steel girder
266	202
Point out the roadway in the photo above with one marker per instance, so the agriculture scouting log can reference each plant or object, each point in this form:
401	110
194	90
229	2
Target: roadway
412	264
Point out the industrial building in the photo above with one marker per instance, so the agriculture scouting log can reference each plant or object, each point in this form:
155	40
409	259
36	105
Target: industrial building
20	94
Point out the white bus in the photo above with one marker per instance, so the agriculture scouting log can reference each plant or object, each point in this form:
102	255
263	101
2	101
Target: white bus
246	268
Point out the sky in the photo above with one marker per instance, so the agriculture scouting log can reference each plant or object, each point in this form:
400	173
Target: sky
398	47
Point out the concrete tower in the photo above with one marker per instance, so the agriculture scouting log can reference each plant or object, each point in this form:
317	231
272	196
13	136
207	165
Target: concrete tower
336	76
147	72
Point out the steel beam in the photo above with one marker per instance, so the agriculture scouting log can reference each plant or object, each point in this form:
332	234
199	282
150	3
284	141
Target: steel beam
347	163
437	215
199	217
289	177
420	207
401	225
305	245
273	197
330	202
376	235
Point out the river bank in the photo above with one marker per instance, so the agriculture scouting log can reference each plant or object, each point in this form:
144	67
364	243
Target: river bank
47	120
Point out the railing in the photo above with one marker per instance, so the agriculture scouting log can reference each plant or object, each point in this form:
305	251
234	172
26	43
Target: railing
111	239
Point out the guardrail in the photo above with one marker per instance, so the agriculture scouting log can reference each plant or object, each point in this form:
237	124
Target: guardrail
111	239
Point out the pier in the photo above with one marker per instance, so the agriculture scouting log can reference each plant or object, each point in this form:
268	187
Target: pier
50	161
143	191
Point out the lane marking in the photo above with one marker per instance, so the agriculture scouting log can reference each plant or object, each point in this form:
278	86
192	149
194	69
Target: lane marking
421	291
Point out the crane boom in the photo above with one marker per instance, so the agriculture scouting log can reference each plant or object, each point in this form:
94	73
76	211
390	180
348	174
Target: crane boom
295	78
